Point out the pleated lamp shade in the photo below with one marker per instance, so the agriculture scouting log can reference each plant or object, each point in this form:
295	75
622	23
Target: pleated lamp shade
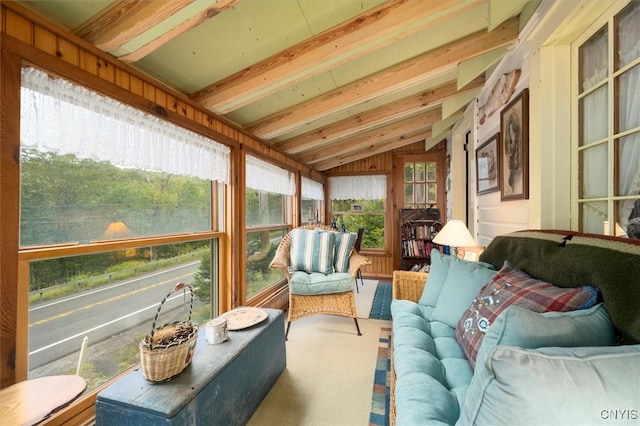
455	234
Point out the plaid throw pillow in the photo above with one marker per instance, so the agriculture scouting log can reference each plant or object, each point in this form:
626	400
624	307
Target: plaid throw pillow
510	286
312	251
344	244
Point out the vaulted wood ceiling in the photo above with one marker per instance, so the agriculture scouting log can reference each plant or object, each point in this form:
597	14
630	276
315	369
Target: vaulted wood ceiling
325	81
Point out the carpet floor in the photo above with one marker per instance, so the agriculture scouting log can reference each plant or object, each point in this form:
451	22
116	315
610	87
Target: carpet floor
365	296
329	374
381	381
330	371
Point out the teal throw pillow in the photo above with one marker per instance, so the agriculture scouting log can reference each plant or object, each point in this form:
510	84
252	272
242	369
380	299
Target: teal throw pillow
437	275
555	386
464	281
312	251
517	326
344	245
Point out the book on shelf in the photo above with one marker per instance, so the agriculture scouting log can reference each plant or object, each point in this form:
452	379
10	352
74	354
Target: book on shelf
420	267
417	248
424	231
417	229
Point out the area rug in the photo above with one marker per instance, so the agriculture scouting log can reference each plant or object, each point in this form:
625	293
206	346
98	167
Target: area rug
381	391
364	297
381	307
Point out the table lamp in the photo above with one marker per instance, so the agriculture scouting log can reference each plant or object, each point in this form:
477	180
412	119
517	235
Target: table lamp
455	235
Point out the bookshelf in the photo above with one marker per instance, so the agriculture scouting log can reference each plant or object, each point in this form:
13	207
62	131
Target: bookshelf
418	227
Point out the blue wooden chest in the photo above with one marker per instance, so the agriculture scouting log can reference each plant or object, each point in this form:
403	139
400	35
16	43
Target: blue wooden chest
224	384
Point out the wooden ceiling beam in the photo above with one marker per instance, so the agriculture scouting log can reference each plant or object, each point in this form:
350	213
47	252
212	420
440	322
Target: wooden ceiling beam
178	30
501	10
461	100
403	75
126	19
471	68
364	140
377	148
374	29
386	113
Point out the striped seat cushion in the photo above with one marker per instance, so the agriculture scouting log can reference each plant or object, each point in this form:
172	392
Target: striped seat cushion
312	251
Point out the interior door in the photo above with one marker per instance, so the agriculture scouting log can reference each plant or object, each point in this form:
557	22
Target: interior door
419	182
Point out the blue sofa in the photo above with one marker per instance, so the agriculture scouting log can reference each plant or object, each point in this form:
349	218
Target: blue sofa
471	345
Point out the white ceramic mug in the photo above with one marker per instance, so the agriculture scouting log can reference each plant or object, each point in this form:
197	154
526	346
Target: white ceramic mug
217	331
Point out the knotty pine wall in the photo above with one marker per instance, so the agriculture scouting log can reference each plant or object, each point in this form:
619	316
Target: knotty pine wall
28	39
384	262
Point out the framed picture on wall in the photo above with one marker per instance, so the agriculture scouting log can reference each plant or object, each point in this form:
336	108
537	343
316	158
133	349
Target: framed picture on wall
487	165
514	149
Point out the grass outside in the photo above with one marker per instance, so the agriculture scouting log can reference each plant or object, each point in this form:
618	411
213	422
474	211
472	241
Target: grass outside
116	273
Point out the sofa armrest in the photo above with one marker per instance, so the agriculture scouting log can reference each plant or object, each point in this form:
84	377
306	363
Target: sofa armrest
408	285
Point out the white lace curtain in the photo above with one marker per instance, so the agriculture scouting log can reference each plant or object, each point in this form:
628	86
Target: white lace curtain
629	111
594	175
312	189
366	187
596	113
263	176
61	117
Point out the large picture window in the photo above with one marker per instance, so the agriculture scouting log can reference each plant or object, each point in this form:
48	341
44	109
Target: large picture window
608	148
311	202
66	199
269	195
116	207
359	202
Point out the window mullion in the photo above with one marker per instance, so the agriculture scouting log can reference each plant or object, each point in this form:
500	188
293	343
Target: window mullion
611	125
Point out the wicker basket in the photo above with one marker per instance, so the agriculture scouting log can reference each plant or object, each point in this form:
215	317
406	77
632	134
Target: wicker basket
161	360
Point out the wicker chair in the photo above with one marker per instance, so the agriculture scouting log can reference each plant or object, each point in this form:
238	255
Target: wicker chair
300	306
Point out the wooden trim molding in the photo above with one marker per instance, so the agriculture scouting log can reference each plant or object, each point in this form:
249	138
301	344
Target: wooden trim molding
9	216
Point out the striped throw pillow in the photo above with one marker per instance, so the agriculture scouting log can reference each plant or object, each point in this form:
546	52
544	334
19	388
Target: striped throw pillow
344	245
312	251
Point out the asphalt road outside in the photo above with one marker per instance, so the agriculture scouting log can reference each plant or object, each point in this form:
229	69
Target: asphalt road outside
57	328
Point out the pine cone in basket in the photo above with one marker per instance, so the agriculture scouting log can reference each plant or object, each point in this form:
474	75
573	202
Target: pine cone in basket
172	333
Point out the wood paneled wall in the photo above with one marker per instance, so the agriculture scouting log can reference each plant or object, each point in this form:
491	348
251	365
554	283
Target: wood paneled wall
28	39
383	262
45	45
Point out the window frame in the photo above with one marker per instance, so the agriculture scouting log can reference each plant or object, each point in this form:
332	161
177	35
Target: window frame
290	213
436	157
351	211
607	21
10	182
388	208
319	204
426	182
267	291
